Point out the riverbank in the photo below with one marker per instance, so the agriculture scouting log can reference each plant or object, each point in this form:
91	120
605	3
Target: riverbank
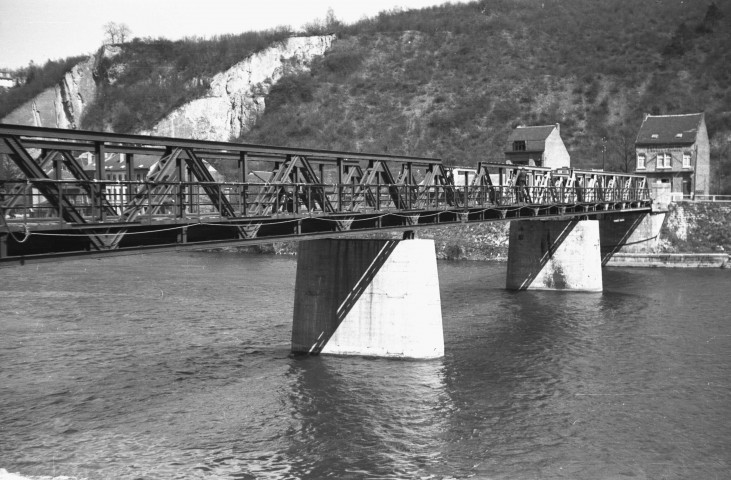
670	260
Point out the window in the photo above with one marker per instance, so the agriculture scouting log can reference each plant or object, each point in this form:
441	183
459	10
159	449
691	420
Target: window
519	146
686	159
664	160
640	161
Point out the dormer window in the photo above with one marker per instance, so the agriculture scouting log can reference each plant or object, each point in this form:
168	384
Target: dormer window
678	135
655	135
519	146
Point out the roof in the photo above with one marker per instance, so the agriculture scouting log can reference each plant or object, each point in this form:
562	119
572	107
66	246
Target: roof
669	129
534	138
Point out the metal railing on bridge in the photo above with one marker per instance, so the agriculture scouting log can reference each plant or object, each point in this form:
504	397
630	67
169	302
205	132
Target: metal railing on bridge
74	191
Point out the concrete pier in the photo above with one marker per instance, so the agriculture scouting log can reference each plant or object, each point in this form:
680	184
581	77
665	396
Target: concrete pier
368	297
554	255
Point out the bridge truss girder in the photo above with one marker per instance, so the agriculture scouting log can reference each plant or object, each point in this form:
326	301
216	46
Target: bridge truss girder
277	194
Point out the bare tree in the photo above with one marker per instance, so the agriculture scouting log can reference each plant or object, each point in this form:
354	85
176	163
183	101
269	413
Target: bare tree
116	32
623	148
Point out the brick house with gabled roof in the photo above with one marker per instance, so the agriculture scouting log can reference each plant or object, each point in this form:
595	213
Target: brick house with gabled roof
674	153
539	146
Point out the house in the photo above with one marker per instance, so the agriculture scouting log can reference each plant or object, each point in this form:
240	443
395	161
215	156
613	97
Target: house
115	167
673	152
539	146
7	80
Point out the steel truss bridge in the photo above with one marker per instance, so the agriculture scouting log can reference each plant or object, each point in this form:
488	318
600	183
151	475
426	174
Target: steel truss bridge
55	203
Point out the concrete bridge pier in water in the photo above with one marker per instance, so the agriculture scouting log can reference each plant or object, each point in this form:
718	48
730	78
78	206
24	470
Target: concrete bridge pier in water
381	297
368	297
554	255
568	255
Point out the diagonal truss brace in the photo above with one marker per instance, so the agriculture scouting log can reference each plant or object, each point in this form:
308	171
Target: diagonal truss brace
36	176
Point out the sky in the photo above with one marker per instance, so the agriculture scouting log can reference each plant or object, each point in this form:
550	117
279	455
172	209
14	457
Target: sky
40	30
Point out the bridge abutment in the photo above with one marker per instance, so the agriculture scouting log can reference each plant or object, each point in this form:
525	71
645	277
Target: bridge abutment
554	255
368	297
629	233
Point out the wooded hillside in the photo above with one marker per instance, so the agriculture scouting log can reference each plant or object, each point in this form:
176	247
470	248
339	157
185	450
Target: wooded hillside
452	81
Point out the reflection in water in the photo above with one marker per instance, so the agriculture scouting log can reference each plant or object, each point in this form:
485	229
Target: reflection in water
371	418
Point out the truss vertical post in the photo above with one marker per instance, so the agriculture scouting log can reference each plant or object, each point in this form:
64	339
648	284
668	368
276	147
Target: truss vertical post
57	165
190	192
129	160
340	184
243	178
409	183
58	175
180	197
149	202
3	245
100	153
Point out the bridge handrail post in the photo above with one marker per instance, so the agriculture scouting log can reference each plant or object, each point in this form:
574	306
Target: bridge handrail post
276	202
149	202
180	200
244	197
60	200
220	204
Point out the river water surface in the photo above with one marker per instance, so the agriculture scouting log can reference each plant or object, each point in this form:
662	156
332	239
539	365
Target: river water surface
177	366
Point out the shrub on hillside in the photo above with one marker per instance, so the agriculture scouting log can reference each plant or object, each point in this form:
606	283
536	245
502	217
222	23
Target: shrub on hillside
342	63
297	88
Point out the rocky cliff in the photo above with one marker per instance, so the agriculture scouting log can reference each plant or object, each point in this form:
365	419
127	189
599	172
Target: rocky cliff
234	101
236	97
63	105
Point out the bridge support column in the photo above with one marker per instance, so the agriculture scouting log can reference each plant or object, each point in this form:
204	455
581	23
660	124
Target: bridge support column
554	255
367	297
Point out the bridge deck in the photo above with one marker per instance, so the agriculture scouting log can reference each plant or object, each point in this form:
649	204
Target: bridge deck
147	193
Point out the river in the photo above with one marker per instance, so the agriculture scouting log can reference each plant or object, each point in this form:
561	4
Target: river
177	366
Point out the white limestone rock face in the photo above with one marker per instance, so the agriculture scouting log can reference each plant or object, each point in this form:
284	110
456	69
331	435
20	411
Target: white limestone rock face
60	106
63	105
72	95
232	105
236	97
